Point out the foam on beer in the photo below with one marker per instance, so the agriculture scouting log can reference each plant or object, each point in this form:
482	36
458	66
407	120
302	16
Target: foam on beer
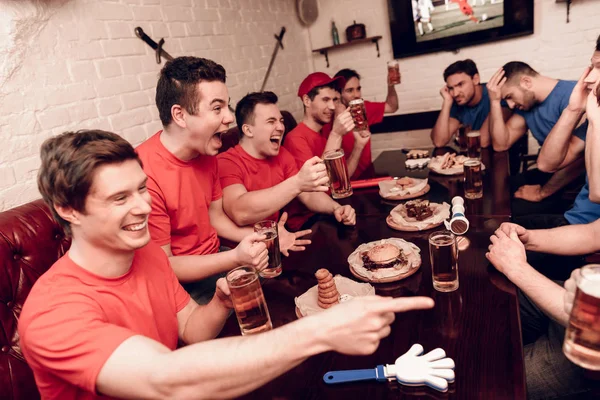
590	285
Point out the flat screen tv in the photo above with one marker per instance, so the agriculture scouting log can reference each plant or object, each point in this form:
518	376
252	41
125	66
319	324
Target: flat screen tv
427	26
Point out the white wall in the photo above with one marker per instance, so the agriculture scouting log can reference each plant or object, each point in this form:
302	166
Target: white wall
72	64
556	48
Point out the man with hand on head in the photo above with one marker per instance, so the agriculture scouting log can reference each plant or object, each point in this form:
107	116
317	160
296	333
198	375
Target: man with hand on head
542	302
259	177
104	321
187	215
465	101
318	93
544	106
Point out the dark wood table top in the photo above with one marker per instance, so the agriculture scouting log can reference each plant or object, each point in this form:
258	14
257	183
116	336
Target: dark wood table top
477	325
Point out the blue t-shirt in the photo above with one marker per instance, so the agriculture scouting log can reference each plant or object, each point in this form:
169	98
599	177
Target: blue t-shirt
475	115
542	118
583	210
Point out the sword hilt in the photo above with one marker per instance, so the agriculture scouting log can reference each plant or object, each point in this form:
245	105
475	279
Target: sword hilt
279	37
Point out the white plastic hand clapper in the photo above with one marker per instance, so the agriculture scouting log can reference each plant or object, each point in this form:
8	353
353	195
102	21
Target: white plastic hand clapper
414	368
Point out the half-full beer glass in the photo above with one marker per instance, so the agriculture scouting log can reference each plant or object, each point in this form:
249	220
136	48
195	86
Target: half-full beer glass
248	301
269	229
474	145
461	136
339	181
473	181
582	339
443	253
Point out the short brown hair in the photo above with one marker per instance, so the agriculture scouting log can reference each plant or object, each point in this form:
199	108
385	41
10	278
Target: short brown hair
515	69
178	83
69	162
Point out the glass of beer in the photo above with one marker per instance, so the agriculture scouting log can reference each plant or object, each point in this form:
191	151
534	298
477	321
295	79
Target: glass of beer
248	301
461	136
443	253
473	181
359	115
269	229
582	339
474	145
394	76
339	181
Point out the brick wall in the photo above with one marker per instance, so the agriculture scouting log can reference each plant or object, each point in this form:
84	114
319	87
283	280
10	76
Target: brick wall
556	48
72	64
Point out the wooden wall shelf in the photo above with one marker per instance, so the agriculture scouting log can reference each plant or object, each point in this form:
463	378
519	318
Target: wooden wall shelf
326	50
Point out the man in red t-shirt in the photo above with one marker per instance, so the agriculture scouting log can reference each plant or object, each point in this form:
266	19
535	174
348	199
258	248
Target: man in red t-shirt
352	90
187	216
104	320
259	177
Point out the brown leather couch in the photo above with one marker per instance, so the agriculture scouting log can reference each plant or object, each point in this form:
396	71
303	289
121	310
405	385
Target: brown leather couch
30	242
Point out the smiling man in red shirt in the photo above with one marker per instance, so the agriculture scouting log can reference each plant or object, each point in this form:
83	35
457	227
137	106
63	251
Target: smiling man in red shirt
259	177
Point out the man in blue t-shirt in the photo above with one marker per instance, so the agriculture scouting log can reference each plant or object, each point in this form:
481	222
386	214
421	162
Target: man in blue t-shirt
542	106
466	101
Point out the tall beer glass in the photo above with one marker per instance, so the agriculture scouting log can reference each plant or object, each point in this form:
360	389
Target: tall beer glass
582	340
474	145
248	301
461	136
443	253
359	115
339	181
269	229
473	181
394	77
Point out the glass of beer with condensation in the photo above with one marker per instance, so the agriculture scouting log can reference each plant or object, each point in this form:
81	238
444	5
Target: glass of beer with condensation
582	339
339	180
394	77
269	229
359	115
443	253
473	180
474	145
248	301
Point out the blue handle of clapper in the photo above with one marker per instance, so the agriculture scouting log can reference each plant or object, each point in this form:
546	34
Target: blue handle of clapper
355	375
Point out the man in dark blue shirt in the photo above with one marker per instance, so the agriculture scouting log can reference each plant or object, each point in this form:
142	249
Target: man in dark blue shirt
542	106
466	102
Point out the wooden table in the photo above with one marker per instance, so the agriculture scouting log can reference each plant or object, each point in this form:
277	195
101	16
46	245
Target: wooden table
478	325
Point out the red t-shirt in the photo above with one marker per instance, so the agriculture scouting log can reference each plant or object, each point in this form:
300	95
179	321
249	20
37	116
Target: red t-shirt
375	113
181	195
73	320
236	166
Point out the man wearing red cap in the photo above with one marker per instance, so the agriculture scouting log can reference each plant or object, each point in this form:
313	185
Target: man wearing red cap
319	93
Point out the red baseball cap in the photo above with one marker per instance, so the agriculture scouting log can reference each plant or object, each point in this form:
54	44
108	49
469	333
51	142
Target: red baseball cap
318	79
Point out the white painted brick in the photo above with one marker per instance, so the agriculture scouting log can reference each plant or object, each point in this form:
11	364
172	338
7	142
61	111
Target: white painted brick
111	11
177	29
194	44
147	13
229	15
148	80
83	111
128	119
18	194
185	3
131	65
83	71
13	103
108	68
205	14
7	177
98	123
124	47
24	123
91	30
212	3
199	28
135	135
108	106
114	86
120	29
87	51
135	100
69	94
53	118
150	2
132	2
159	30
26	168
177	14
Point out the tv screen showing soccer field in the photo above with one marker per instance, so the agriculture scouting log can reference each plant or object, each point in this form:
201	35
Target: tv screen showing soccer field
445	18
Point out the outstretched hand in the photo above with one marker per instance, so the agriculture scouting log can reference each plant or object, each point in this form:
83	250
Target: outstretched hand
290	241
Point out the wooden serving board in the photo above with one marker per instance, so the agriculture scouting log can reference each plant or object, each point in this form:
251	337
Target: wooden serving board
408	196
408	228
384	280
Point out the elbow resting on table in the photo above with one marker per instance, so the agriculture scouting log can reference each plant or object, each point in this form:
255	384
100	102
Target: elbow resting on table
438	142
545	166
